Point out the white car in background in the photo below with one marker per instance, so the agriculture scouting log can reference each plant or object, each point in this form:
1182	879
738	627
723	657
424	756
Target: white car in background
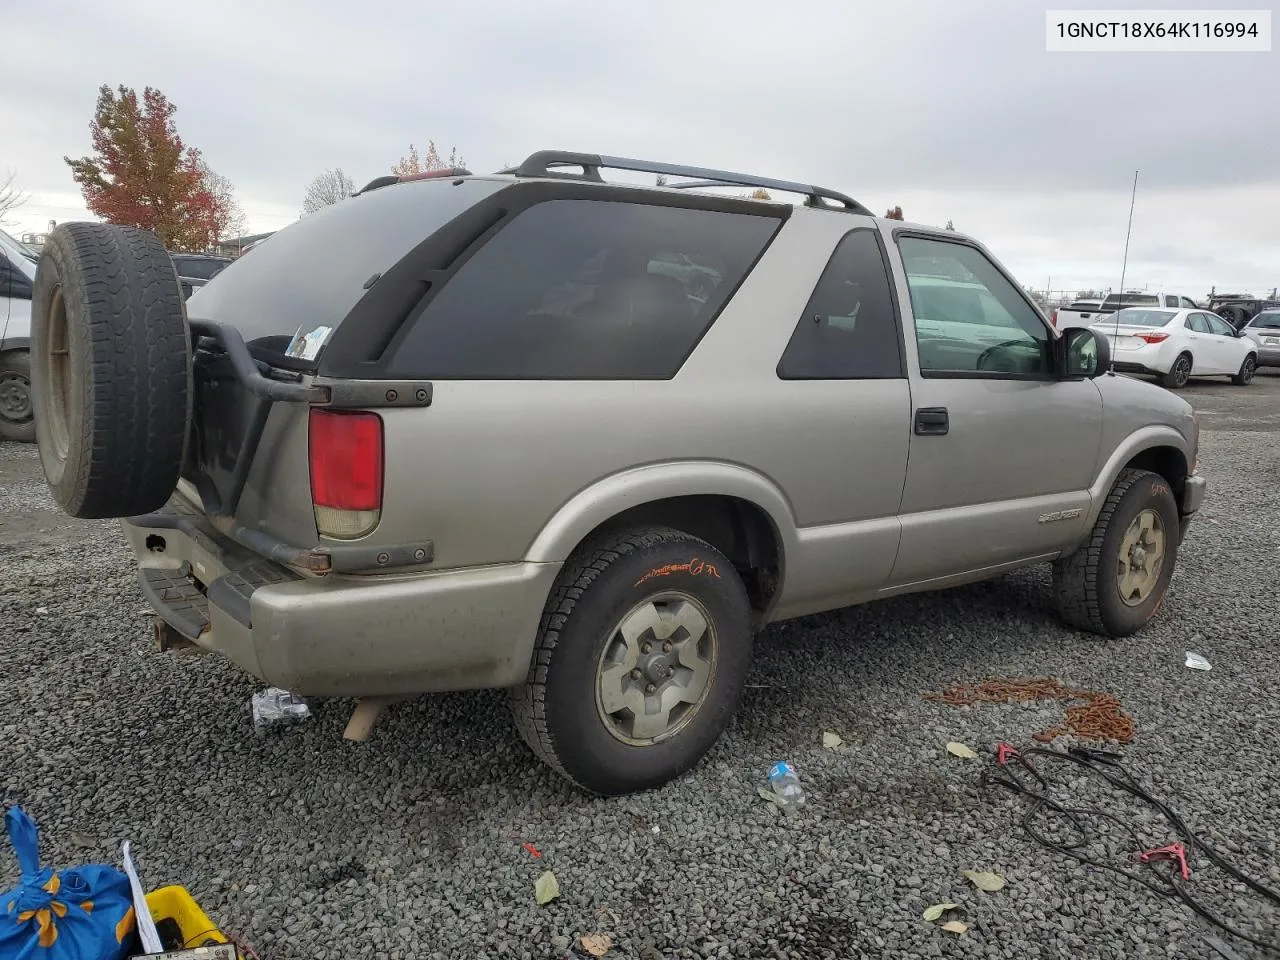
1176	345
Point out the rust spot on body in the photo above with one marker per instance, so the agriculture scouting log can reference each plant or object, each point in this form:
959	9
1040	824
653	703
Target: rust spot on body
695	568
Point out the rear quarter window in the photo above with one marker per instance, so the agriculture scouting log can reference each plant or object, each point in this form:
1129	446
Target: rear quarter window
578	289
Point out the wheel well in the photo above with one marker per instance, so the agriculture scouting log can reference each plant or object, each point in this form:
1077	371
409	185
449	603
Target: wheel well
1168	462
739	529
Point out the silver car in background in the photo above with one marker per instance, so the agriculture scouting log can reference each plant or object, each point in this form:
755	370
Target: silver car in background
1264	330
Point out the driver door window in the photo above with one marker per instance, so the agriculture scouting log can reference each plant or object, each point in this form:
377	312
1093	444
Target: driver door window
970	321
1219	326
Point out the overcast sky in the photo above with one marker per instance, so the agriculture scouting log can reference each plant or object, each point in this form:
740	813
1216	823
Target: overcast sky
950	109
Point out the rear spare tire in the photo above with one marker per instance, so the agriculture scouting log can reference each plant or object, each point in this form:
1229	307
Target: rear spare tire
110	370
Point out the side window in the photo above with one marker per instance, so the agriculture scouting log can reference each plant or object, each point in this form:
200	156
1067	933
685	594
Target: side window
584	290
848	330
1196	321
1187	304
1170	300
13	282
970	319
1219	326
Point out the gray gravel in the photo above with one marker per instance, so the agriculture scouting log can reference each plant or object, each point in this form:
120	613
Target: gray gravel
410	845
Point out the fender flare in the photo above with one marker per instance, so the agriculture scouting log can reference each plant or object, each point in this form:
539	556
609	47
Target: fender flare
1147	438
587	509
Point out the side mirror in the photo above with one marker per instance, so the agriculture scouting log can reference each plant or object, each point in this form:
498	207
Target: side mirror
1082	352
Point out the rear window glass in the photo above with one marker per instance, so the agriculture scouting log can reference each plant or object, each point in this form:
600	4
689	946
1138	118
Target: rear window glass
1132	299
311	273
1266	321
585	290
199	268
1139	318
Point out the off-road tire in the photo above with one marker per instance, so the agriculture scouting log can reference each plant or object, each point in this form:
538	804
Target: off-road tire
1179	373
1247	370
1085	591
111	370
1235	316
15	375
555	710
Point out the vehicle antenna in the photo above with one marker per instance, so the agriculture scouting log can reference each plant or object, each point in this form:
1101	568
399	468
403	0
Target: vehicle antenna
1124	264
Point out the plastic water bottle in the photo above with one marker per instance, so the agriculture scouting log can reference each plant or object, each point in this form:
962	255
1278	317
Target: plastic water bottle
786	787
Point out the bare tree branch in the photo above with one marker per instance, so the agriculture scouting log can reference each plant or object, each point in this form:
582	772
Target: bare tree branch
328	188
11	198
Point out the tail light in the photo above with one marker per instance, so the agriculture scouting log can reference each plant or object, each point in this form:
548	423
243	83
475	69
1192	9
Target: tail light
1053	318
1153	337
346	472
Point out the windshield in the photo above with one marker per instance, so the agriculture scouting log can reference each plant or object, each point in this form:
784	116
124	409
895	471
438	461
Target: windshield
1138	318
1266	321
1131	299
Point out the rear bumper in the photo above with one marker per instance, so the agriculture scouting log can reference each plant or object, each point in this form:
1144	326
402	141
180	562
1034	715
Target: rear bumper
338	635
1269	356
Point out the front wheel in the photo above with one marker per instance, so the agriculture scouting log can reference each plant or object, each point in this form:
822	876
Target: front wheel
642	654
1114	583
1179	373
16	419
1247	370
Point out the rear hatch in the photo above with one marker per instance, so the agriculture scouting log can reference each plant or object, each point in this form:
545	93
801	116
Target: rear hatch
248	461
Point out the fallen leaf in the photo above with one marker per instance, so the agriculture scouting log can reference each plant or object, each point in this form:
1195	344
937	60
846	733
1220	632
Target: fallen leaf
984	881
831	740
937	910
960	750
533	851
767	794
546	889
596	944
955	926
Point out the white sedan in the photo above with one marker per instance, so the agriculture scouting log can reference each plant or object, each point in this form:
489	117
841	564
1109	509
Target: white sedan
1176	345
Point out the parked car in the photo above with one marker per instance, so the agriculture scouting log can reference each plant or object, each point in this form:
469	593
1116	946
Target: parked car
1176	345
197	269
1264	331
1238	309
1077	313
17	273
1071	316
454	433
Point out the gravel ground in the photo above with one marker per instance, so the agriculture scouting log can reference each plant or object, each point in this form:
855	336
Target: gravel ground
411	845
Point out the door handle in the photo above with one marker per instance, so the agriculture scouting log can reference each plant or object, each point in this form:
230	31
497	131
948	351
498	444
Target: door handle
932	422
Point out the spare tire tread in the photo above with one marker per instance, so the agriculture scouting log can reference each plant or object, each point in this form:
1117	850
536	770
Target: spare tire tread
127	327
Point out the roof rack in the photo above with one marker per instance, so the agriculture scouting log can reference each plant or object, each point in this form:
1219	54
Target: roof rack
390	178
544	162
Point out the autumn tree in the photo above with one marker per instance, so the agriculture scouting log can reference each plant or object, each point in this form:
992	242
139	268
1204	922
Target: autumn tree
894	213
11	198
227	219
143	175
759	193
427	162
326	189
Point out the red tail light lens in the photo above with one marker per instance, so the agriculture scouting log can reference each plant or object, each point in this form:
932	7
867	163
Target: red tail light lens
1153	337
346	472
1053	318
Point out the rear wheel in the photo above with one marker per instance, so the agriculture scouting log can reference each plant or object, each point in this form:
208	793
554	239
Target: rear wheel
1247	370
110	370
1115	582
642	654
1179	373
16	421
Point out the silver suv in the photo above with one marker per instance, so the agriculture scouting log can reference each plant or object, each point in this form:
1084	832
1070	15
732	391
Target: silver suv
478	431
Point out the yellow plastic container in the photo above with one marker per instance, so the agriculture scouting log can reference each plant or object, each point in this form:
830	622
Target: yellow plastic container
173	902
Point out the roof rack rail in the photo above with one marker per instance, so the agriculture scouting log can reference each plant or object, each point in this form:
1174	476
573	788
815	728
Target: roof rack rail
544	162
390	178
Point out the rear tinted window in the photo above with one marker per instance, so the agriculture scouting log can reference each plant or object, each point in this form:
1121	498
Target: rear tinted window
313	271
200	268
848	330
1139	318
1132	299
585	290
1266	321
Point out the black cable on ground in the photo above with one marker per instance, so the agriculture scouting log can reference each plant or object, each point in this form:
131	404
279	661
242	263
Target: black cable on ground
1014	771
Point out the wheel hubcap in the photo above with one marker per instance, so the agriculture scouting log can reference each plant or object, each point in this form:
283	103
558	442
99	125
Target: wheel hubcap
1141	557
15	398
656	668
